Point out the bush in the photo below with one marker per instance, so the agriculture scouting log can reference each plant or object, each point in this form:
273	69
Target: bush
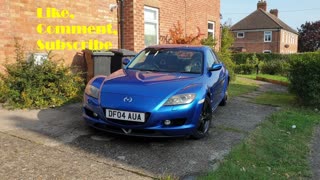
28	85
304	77
225	53
252	65
264	63
209	41
274	67
177	35
245	69
240	58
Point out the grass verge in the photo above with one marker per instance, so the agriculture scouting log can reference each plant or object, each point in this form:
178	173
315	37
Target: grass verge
277	149
267	77
241	86
274	150
276	99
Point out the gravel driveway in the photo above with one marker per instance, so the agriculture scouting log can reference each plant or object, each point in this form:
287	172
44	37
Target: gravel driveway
55	143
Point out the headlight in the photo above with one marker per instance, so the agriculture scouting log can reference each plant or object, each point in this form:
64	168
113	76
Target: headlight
92	91
180	99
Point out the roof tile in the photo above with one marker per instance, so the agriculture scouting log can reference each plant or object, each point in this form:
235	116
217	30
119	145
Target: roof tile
261	19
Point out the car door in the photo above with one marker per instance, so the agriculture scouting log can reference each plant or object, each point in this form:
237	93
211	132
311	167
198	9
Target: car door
216	79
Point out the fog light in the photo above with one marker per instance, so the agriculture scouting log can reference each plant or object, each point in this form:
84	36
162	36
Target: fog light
95	115
167	122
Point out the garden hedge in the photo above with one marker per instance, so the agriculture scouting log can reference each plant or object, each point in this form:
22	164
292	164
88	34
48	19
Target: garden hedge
304	77
241	58
302	69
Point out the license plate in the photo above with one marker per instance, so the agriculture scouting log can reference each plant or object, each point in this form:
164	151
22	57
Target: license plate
125	115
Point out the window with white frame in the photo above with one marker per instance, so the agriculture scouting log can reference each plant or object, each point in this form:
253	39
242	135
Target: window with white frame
151	26
211	26
267	36
240	34
267	51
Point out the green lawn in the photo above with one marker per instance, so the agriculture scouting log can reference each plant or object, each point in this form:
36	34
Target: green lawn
276	99
277	149
266	76
241	86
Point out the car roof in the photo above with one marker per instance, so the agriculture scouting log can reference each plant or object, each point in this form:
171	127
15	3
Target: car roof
178	46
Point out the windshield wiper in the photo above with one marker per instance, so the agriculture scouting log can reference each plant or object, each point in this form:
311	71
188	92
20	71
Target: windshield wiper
152	70
188	72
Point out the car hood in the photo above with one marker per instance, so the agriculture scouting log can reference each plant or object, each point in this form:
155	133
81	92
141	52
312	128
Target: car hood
147	83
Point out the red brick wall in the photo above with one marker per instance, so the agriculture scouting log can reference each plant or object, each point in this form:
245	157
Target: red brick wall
190	13
254	42
133	25
18	19
199	12
289	42
283	41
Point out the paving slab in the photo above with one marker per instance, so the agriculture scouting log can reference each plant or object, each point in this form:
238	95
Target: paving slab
23	159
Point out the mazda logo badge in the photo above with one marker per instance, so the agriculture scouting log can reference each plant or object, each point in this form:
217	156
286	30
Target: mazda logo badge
127	99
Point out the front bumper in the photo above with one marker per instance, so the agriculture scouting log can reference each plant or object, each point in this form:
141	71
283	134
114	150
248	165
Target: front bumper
184	120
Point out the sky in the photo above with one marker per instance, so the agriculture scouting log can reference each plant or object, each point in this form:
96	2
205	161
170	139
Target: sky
293	12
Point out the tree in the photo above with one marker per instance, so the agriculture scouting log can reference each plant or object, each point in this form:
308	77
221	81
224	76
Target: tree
309	37
225	53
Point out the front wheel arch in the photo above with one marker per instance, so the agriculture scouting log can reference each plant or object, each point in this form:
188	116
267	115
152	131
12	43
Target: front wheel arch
204	121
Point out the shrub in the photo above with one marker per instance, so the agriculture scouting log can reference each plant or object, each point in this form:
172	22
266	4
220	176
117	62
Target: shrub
3	91
225	53
274	67
252	65
177	35
245	69
209	41
240	58
29	85
304	77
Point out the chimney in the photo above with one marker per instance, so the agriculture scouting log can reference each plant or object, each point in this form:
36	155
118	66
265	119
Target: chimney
274	12
262	4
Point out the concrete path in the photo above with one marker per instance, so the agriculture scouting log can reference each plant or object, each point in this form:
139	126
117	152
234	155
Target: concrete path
55	143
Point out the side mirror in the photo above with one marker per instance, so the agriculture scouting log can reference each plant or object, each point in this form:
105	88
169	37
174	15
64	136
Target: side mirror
215	67
125	61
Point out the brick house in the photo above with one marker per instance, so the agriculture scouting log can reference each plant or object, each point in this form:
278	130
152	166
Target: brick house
264	32
128	24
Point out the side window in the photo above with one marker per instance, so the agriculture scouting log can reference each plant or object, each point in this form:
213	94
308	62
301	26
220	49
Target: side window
215	58
210	59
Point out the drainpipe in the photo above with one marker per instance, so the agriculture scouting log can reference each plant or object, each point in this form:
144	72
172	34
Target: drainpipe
121	23
185	18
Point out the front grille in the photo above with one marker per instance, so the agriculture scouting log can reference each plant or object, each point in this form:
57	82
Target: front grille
108	128
136	132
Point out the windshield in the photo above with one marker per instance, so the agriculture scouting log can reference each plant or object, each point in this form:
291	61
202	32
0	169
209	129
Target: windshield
169	60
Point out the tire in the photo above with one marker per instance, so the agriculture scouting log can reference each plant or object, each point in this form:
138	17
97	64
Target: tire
224	100
204	121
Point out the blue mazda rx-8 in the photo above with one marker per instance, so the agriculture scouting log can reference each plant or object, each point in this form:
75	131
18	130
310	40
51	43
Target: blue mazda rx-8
164	91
